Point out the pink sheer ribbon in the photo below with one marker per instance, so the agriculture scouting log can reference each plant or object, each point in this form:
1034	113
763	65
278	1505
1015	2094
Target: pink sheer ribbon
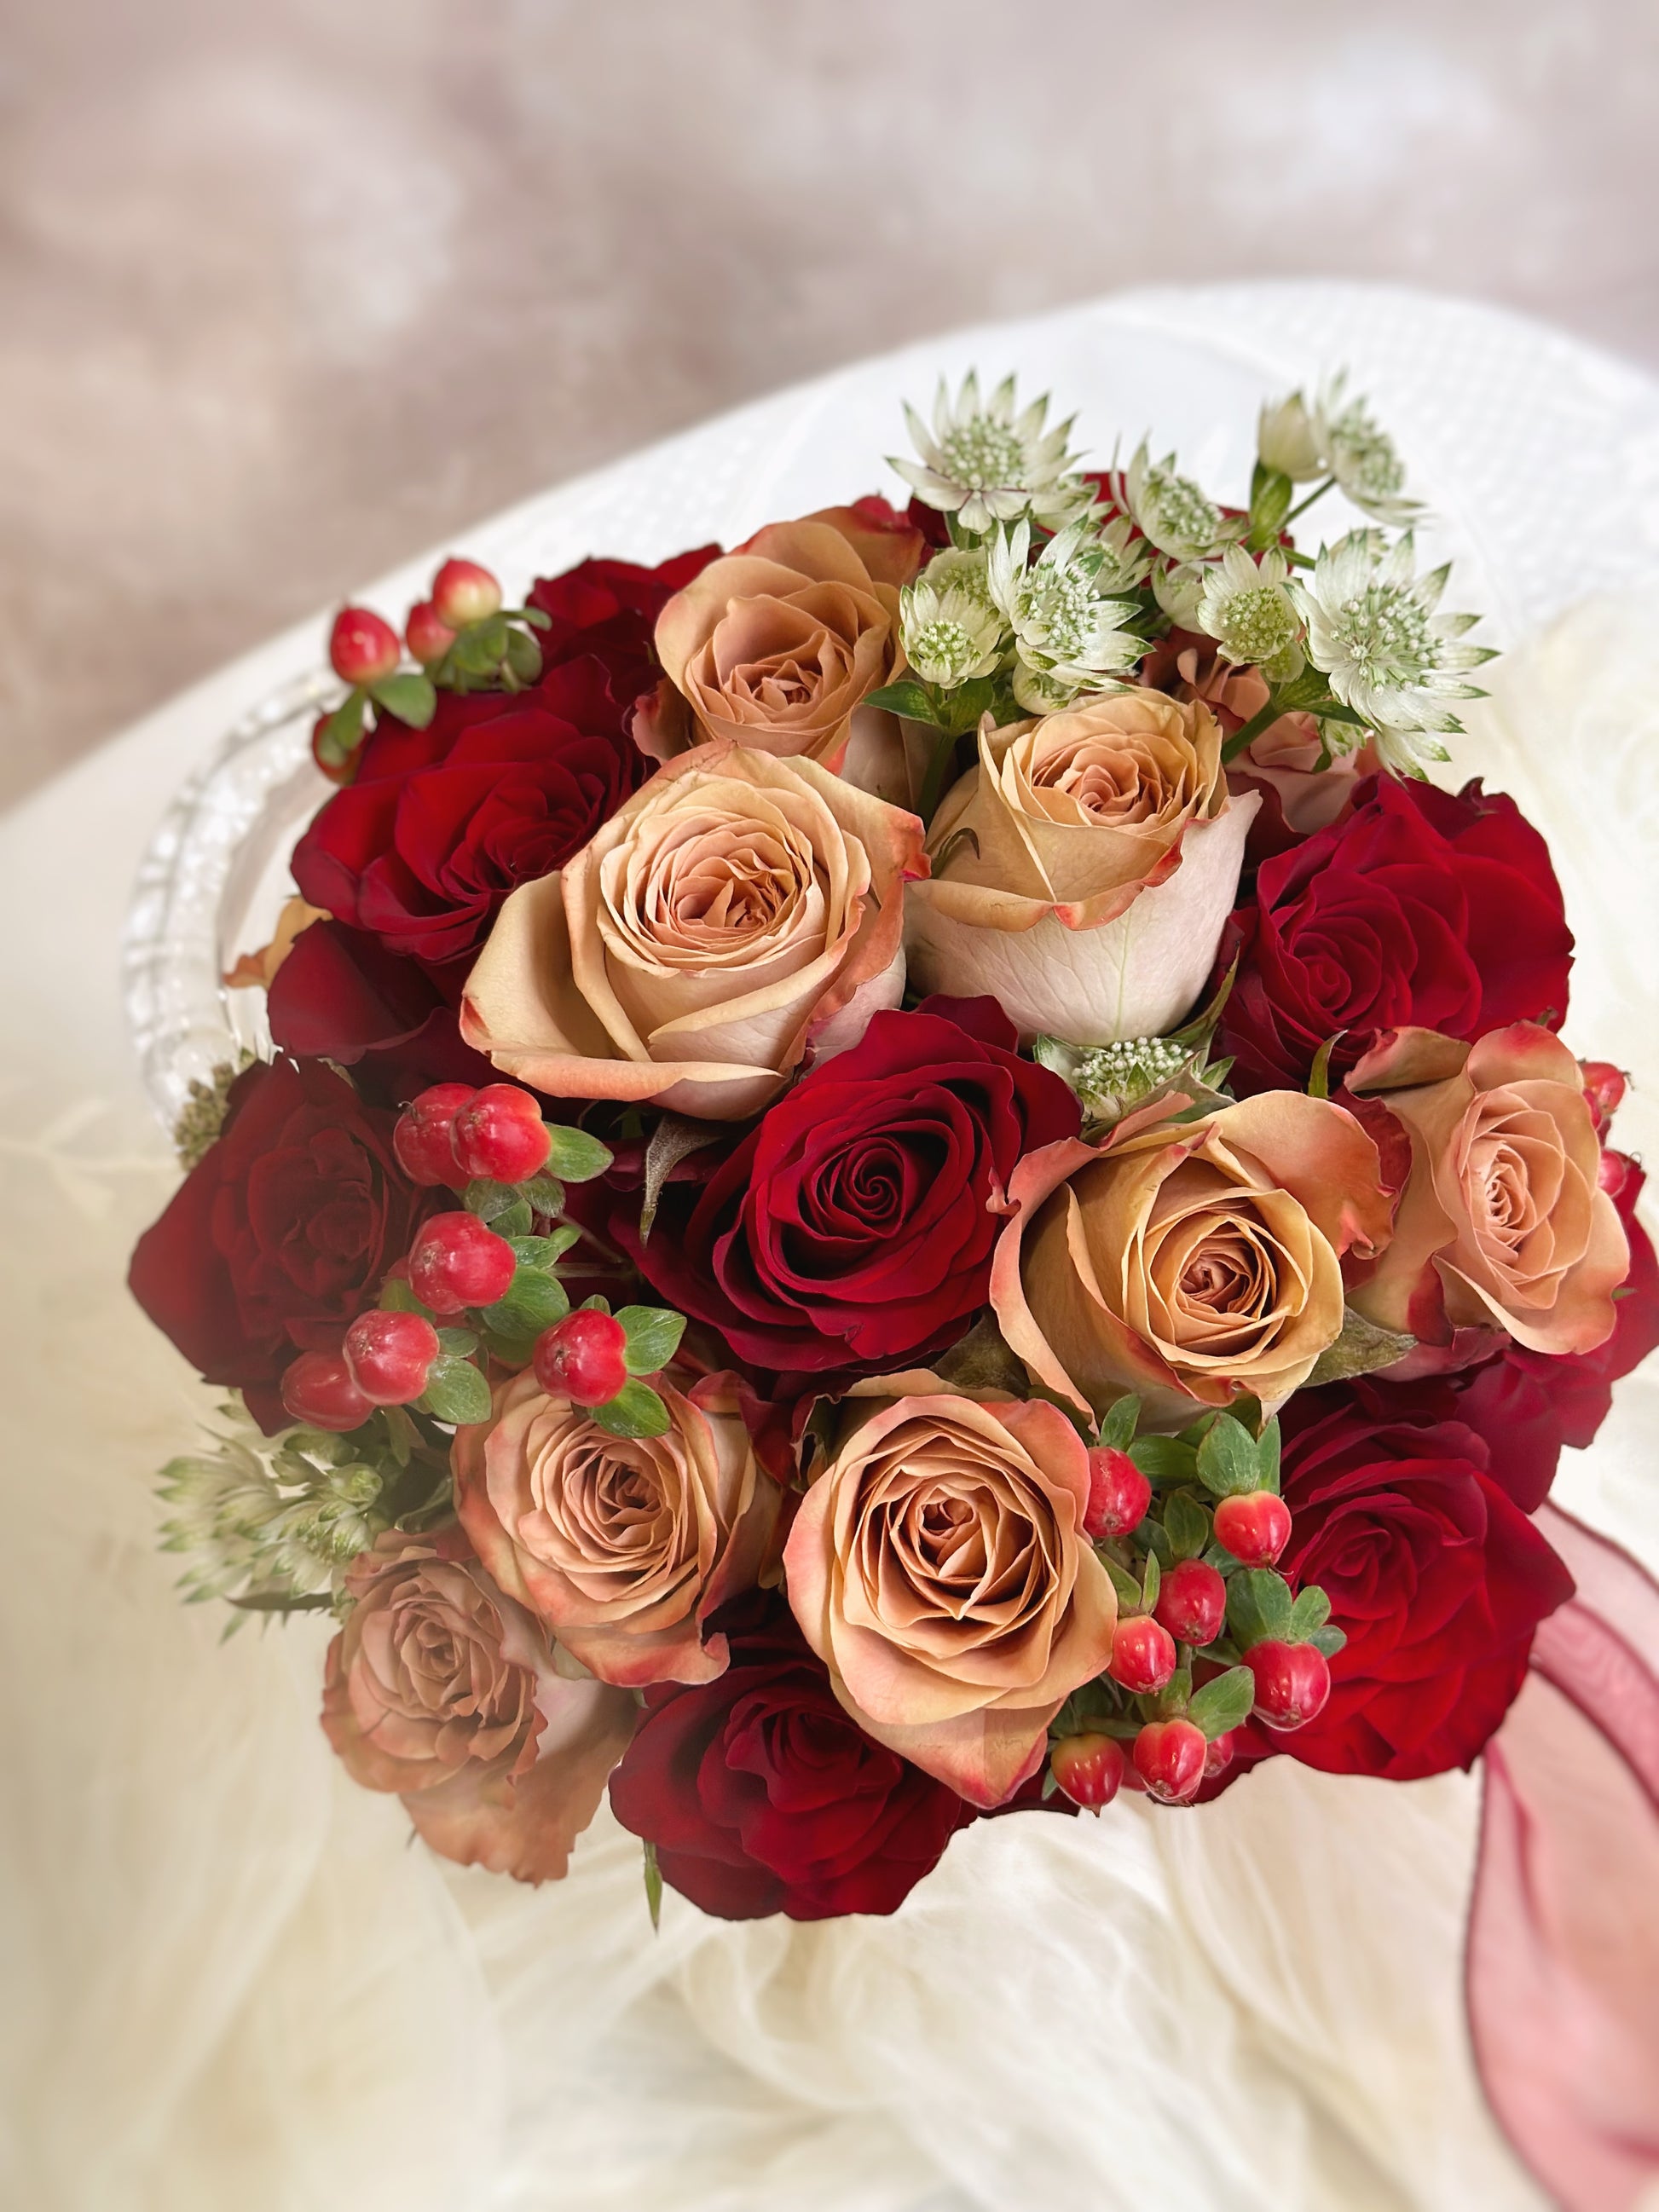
1563	1960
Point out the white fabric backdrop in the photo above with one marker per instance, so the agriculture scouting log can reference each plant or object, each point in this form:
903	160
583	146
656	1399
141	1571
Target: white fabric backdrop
225	1976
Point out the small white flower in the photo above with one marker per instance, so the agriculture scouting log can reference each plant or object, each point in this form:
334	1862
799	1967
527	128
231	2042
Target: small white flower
1126	560
1360	454
1067	634
1247	609
1374	632
985	463
1174	511
1178	587
951	631
1287	439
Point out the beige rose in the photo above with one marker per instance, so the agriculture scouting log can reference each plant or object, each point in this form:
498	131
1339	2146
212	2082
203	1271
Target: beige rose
938	1569
737	911
443	1690
1189	1262
1084	868
1503	1224
776	645
622	1546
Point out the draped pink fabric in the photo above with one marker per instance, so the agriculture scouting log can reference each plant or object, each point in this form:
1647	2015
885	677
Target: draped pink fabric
1563	1960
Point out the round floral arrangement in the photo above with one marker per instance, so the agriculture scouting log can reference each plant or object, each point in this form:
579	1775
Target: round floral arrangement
910	1171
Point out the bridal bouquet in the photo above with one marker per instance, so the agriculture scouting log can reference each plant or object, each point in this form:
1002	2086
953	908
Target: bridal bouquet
909	1171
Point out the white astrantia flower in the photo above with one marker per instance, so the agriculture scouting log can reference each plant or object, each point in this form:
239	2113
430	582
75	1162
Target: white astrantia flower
1360	454
1373	631
1127	559
1174	513
1247	608
951	631
1067	634
1287	439
1178	587
984	463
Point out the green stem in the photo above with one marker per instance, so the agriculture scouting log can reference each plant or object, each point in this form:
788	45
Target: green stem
939	769
1263	719
1318	492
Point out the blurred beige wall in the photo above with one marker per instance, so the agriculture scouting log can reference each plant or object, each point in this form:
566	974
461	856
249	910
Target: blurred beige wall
288	292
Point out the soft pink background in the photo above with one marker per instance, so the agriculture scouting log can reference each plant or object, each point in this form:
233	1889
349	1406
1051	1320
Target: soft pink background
289	291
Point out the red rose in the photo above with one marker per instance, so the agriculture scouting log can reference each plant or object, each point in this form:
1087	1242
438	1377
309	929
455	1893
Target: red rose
855	1226
762	1796
609	608
1418	906
282	1235
1436	1578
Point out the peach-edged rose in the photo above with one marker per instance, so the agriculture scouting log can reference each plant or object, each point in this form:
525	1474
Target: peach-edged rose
1189	1262
778	644
442	1689
1502	1224
938	1569
620	1546
1083	869
738	909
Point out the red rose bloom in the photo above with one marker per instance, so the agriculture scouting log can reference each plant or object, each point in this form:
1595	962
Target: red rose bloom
1436	1578
762	1796
282	1235
1417	906
856	1224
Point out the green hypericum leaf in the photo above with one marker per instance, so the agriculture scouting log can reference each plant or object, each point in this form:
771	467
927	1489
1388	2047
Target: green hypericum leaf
1170	1702
1164	1461
597	1303
411	698
1127	1588
545	1252
542	1194
1312	1610
1258	1607
905	697
576	1156
1266	1456
533	1301
1157	1540
1225	1702
342	734
653	1337
524	655
653	1887
1187	1526
455	1391
1361	1349
1318	1076
1228	1461
960	710
1328	1639
396	1296
635	1411
1148	1588
1117	1429
489	1200
460	1343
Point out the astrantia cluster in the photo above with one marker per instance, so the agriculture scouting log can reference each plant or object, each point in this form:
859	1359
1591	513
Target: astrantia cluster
904	1178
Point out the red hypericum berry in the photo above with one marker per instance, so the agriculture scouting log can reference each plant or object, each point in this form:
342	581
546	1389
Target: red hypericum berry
428	636
1254	1526
1605	1086
464	592
1119	1494
1089	1769
1614	1172
1142	1654
499	1133
1219	1756
1293	1682
1169	1757
583	1358
318	1389
389	1356
423	1139
456	1261
1192	1602
362	647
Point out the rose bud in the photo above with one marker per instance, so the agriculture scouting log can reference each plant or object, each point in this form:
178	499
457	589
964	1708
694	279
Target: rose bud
1293	1682
1613	1172
1088	1768
1254	1526
1192	1602
583	1357
1119	1494
464	592
1220	1755
427	635
423	1139
389	1355
1142	1654
362	647
1169	1757
499	1133
318	1390
456	1261
1605	1086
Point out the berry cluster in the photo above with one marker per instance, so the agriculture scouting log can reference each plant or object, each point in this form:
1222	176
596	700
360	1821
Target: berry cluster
1209	1634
